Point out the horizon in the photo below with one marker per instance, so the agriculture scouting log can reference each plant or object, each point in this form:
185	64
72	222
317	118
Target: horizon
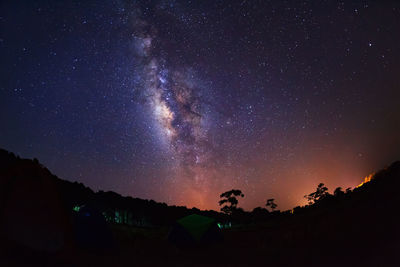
303	204
364	181
181	101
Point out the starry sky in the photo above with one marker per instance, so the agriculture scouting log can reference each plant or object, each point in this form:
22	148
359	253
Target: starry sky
179	101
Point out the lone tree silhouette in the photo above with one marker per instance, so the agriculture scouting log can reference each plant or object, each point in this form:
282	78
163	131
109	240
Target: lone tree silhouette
319	194
229	197
271	204
338	192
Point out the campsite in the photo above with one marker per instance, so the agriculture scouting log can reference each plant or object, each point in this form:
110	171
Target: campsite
43	224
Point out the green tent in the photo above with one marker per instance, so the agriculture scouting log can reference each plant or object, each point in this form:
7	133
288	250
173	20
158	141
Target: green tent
194	229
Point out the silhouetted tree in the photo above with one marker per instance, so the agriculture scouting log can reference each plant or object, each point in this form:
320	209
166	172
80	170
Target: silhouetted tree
229	197
271	204
338	192
320	193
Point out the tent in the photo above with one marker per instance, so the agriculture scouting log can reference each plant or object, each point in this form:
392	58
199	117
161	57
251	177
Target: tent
194	230
91	229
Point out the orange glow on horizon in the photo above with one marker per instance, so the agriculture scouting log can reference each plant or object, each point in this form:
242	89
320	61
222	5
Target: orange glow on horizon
366	180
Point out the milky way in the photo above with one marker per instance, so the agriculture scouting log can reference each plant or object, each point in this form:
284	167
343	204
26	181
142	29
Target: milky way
173	99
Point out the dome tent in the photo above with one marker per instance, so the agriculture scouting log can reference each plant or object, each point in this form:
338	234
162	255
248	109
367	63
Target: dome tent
194	230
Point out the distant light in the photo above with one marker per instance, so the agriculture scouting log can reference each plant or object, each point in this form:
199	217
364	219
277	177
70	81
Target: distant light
366	180
76	208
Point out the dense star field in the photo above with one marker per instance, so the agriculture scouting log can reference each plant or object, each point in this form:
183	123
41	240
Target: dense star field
179	101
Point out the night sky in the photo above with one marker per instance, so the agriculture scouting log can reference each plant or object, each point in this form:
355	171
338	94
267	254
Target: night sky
179	101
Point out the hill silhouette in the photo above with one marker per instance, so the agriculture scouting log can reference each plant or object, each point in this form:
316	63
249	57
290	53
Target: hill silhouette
127	210
357	227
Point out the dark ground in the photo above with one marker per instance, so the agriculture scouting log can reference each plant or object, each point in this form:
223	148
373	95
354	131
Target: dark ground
283	242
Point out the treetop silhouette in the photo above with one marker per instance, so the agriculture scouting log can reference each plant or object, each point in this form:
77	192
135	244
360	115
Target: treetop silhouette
271	204
230	197
320	193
